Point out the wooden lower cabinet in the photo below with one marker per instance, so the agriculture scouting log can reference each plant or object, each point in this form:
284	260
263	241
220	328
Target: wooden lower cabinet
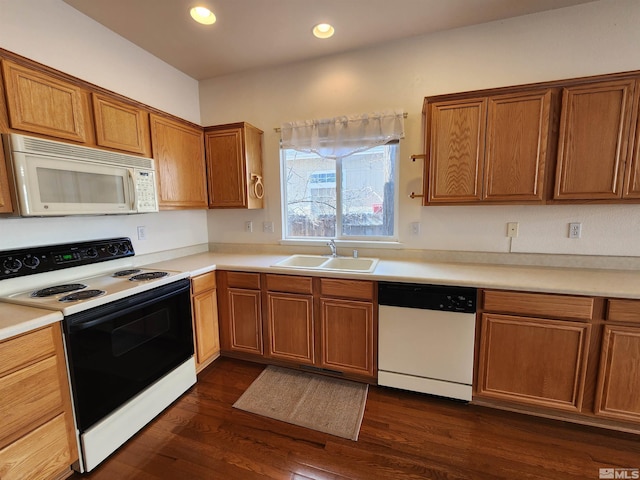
205	319
290	323
535	361
37	436
347	336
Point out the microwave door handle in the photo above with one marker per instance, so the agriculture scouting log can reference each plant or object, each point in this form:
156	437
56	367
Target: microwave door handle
132	190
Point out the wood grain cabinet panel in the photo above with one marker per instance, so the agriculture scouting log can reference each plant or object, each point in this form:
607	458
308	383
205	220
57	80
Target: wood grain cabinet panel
539	304
178	150
290	327
234	166
347	336
623	310
456	155
37	432
594	135
205	319
533	361
121	126
43	104
245	321
518	129
632	172
618	390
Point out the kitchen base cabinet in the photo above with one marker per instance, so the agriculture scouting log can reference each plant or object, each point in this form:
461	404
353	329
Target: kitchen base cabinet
534	361
205	319
618	389
241	314
37	436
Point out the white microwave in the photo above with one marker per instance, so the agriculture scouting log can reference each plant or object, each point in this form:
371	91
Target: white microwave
56	179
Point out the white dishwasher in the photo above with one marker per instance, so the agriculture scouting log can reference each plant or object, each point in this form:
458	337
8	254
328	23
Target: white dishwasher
426	338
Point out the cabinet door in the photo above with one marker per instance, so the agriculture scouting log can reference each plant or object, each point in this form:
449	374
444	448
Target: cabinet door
245	320
517	137
632	173
39	103
456	150
618	390
121	126
593	145
205	322
226	169
347	342
533	361
291	327
178	150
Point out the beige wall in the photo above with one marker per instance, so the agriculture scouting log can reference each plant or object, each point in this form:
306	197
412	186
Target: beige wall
53	33
594	38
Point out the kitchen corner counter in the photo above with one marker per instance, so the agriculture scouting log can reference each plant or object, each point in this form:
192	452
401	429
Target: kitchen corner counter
17	319
575	281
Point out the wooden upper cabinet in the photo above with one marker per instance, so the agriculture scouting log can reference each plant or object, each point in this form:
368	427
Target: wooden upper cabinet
489	149
178	150
121	126
456	150
40	103
234	166
518	129
632	173
595	125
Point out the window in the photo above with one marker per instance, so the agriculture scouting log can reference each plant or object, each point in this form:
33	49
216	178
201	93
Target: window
351	197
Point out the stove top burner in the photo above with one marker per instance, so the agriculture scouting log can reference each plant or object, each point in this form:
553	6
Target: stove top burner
148	276
58	289
126	273
82	295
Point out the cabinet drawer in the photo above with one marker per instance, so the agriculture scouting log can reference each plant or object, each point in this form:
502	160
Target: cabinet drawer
26	349
43	453
289	284
243	280
623	310
204	282
539	304
358	289
29	394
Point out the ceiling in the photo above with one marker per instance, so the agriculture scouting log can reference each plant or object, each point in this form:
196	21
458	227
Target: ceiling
252	34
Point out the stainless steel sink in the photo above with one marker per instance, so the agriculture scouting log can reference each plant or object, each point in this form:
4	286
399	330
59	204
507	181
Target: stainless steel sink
321	262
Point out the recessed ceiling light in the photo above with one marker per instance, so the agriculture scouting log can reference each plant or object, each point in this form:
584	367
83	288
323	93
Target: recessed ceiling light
323	30
203	15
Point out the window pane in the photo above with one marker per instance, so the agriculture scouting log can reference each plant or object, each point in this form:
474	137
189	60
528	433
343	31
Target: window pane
310	195
368	193
365	182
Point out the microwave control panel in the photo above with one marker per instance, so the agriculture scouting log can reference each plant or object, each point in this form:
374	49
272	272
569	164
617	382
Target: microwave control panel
146	191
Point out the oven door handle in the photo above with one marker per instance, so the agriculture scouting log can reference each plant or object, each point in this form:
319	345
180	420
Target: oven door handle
96	316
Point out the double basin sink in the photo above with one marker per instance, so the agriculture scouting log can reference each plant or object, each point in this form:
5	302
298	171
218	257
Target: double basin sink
321	262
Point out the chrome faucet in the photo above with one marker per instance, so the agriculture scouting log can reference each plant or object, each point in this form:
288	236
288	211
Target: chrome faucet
332	245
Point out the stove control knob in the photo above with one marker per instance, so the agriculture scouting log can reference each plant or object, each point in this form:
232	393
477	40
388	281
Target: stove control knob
113	249
91	252
31	262
12	264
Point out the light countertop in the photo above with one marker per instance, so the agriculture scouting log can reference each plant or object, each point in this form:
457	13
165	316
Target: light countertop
577	281
15	319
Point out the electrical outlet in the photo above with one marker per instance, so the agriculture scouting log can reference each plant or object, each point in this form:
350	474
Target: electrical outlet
512	229
142	232
248	227
415	228
267	227
575	230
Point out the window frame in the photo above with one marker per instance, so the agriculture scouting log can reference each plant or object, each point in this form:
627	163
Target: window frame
377	239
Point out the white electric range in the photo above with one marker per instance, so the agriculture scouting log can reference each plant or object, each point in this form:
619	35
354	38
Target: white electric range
127	333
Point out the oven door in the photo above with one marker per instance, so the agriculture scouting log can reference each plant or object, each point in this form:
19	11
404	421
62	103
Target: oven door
117	350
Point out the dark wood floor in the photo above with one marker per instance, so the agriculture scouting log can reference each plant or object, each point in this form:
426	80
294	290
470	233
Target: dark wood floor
403	436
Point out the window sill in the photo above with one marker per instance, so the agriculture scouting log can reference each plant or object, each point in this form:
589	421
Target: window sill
387	245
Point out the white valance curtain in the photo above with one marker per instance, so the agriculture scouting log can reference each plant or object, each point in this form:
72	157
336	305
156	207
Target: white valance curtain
342	136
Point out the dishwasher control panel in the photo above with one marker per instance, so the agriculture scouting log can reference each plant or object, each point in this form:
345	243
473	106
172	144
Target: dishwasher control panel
428	297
